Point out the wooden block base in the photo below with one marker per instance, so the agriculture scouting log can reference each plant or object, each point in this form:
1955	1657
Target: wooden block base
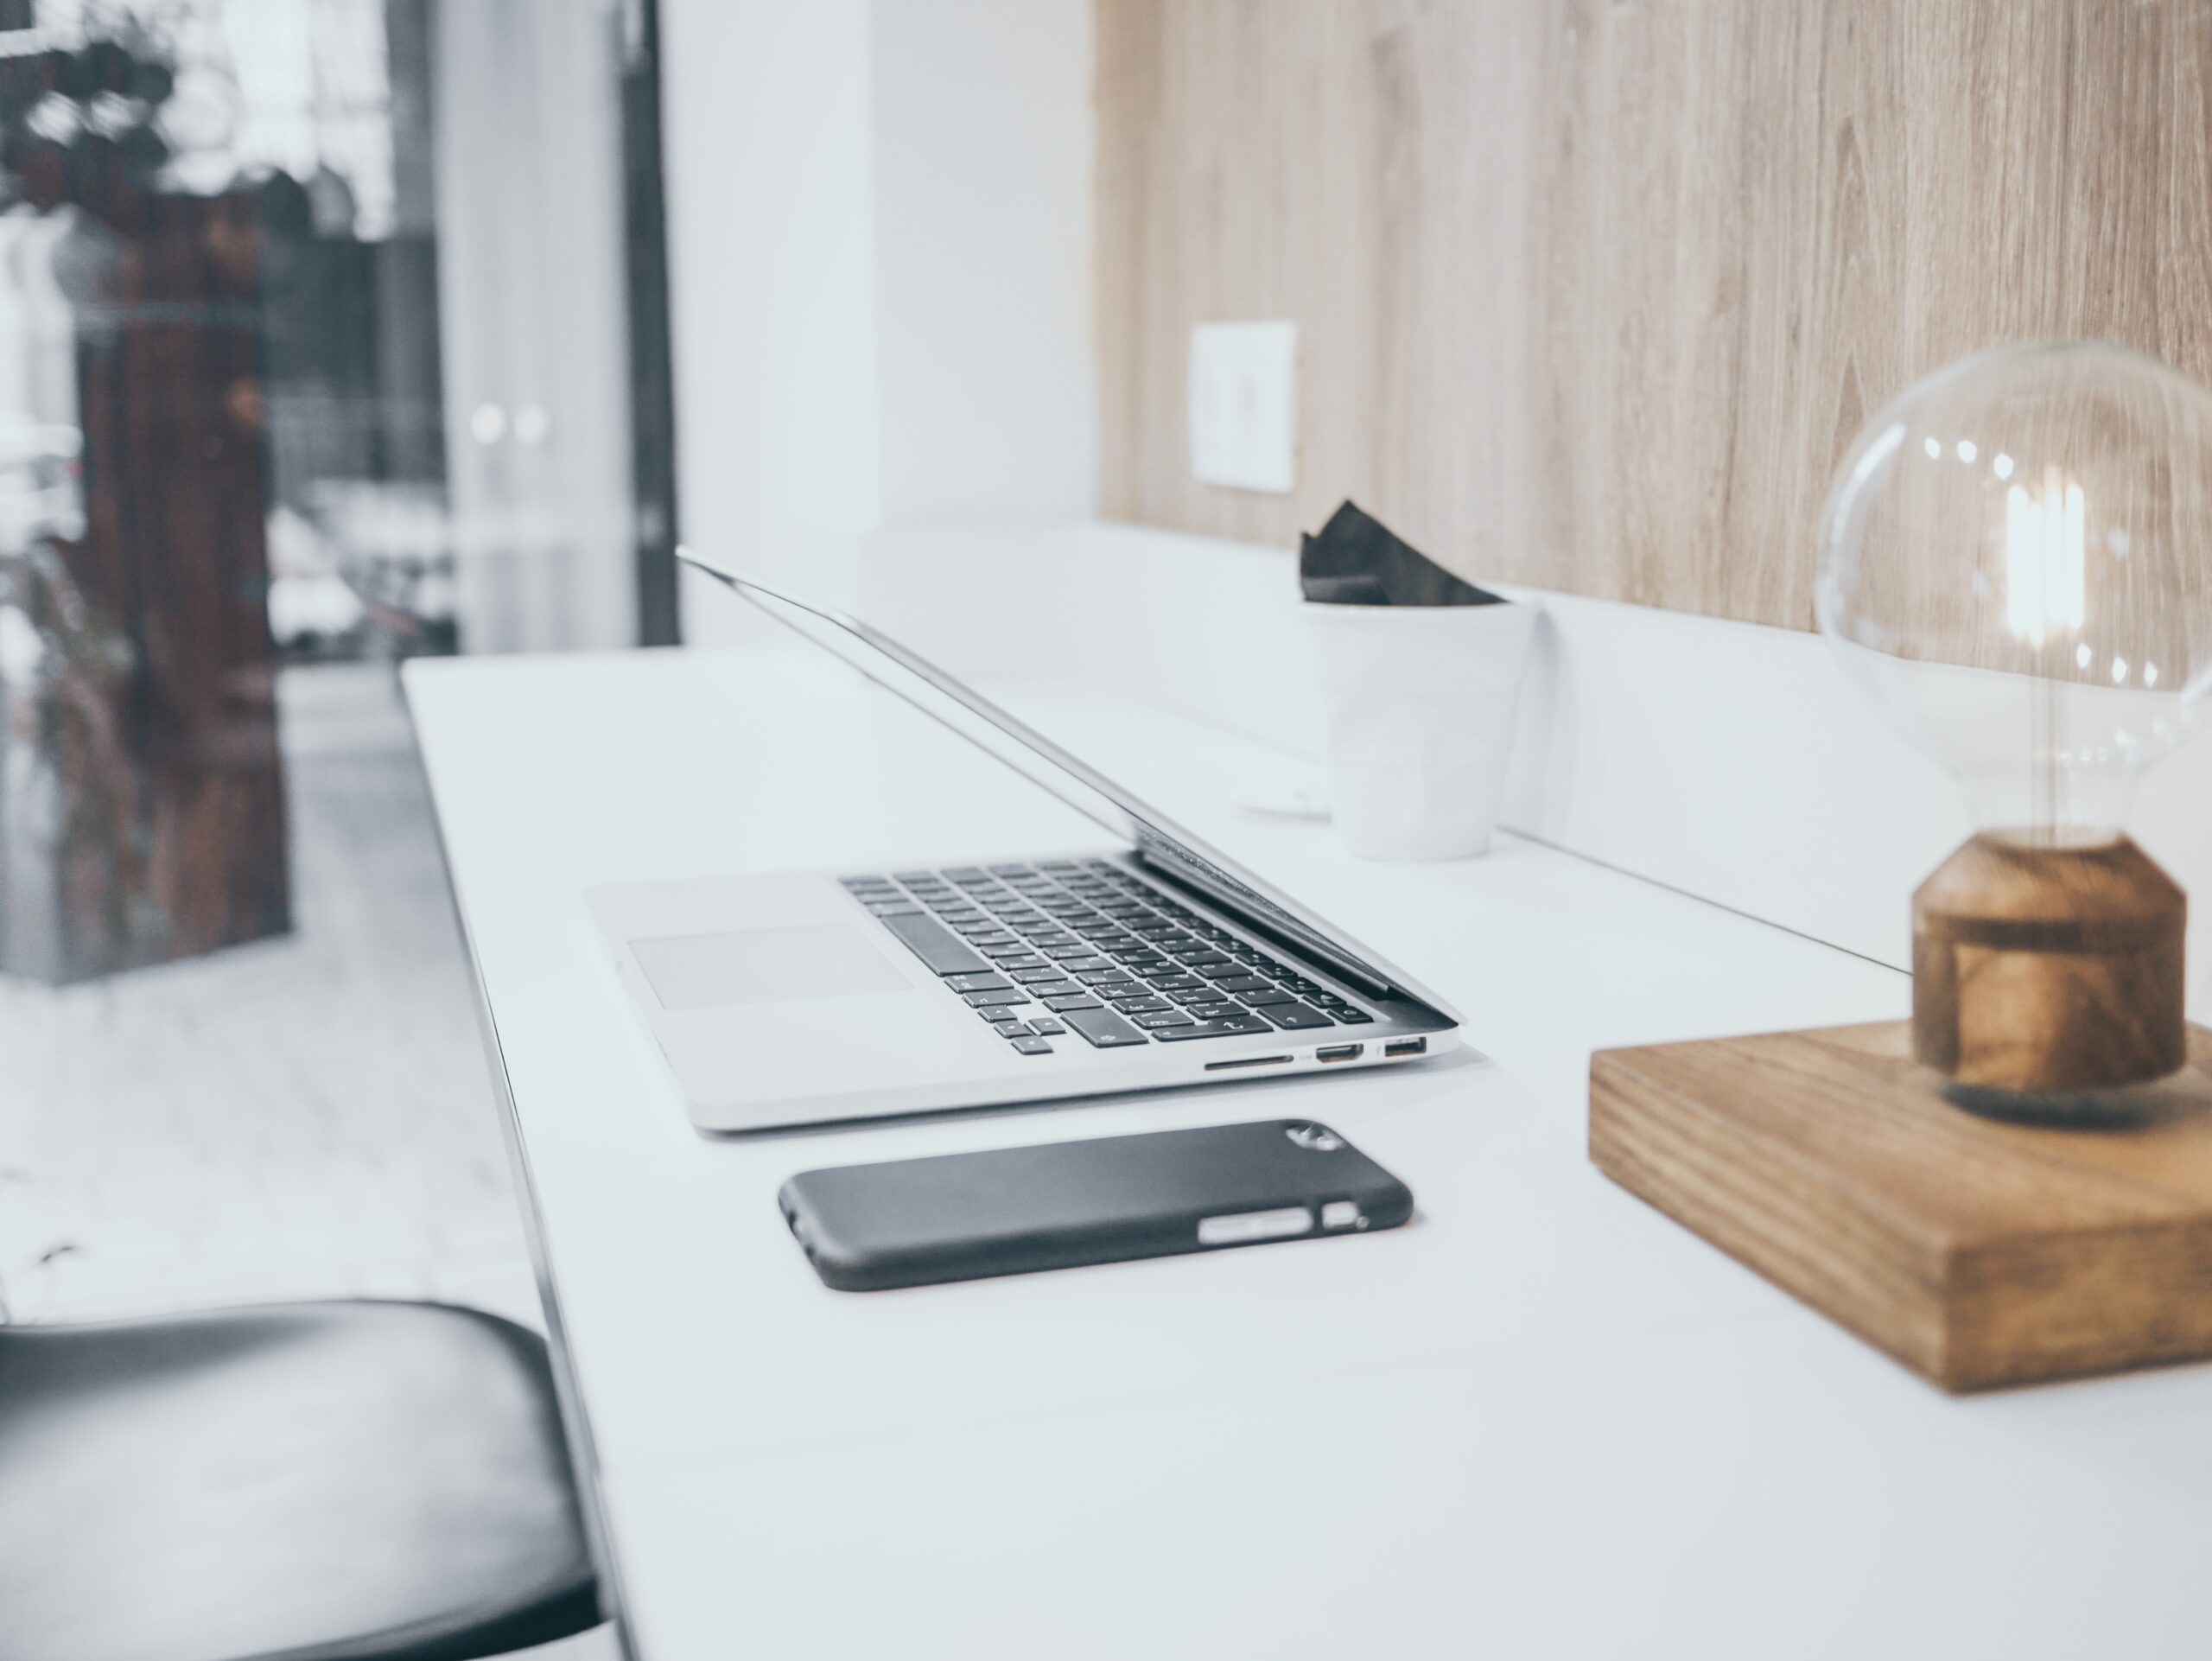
1978	1252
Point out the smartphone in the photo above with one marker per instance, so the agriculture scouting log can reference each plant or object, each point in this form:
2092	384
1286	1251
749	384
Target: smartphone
913	1222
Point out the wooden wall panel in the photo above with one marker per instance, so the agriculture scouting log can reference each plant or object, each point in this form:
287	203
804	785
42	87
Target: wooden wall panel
1593	293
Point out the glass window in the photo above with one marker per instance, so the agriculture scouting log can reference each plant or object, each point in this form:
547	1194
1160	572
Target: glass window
332	332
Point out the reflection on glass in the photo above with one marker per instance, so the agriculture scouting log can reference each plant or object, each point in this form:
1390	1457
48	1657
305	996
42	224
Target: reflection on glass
290	371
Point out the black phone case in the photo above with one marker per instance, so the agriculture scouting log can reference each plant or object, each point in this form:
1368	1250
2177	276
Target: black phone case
911	1222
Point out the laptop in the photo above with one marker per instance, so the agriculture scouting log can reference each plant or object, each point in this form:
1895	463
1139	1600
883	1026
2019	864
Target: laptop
1150	960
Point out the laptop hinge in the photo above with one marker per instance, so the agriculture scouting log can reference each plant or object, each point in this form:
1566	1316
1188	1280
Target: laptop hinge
1215	893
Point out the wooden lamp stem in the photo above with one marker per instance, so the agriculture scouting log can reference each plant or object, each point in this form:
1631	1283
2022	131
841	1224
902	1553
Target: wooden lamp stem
2042	969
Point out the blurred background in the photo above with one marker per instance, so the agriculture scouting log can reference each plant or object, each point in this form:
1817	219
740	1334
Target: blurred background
332	332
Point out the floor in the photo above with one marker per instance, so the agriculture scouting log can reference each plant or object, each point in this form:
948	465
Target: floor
302	1118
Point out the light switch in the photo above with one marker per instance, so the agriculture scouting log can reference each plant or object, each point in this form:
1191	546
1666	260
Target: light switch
1244	406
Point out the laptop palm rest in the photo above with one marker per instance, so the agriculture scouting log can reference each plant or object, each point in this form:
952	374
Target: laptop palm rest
765	966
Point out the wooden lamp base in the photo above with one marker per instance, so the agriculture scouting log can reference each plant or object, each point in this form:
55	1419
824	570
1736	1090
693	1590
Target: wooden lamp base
1979	1252
2045	975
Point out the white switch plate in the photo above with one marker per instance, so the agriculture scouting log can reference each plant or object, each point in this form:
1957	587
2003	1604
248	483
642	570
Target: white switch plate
1244	406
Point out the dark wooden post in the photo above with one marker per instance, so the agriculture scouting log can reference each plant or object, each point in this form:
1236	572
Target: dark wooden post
171	840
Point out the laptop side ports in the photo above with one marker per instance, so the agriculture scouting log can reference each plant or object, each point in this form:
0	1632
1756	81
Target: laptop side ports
1329	1052
1397	1047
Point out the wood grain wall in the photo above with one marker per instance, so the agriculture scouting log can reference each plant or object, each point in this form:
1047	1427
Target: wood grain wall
1592	294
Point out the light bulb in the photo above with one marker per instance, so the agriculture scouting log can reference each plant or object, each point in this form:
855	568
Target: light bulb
2015	567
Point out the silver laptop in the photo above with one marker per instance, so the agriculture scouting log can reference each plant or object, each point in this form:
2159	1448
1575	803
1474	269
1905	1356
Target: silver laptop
806	997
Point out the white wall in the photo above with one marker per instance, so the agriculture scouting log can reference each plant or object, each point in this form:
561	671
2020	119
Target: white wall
880	273
768	152
983	168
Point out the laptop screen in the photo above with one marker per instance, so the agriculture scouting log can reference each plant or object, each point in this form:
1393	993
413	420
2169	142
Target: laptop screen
1160	843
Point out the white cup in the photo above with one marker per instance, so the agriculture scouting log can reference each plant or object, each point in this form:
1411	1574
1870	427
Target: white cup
1420	708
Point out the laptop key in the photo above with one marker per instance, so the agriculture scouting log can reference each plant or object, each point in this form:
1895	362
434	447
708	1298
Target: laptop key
1215	1011
1059	987
1241	984
1238	1025
1156	1020
1011	1029
1033	1046
986	1000
1103	1028
1259	1000
1295	1017
1071	1003
1047	1026
1040	976
938	946
1142	1006
977	983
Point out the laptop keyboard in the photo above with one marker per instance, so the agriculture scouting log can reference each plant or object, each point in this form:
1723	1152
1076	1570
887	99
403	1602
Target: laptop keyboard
1083	946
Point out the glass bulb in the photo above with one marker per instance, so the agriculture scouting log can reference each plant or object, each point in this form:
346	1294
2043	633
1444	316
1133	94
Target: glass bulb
2016	566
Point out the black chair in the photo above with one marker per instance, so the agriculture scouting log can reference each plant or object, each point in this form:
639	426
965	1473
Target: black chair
345	1481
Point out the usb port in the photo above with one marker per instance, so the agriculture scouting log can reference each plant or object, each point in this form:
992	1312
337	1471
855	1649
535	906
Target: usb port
1339	1052
1406	1047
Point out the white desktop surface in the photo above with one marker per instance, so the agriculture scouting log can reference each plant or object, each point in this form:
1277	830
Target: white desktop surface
1539	1421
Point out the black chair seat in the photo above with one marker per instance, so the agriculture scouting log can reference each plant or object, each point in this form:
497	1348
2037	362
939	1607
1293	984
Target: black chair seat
318	1482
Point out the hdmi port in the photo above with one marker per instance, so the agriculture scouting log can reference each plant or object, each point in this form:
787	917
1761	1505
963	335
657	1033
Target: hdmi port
1406	1047
1339	1052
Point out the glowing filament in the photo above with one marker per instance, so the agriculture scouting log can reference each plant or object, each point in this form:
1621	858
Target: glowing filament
2046	565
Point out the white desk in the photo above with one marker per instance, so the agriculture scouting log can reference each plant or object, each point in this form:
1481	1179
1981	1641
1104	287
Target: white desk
1540	1421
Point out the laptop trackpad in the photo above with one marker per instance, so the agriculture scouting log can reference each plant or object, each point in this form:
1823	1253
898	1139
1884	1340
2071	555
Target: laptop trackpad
765	966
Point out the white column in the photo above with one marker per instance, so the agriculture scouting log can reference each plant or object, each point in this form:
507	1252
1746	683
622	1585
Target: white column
533	336
880	222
